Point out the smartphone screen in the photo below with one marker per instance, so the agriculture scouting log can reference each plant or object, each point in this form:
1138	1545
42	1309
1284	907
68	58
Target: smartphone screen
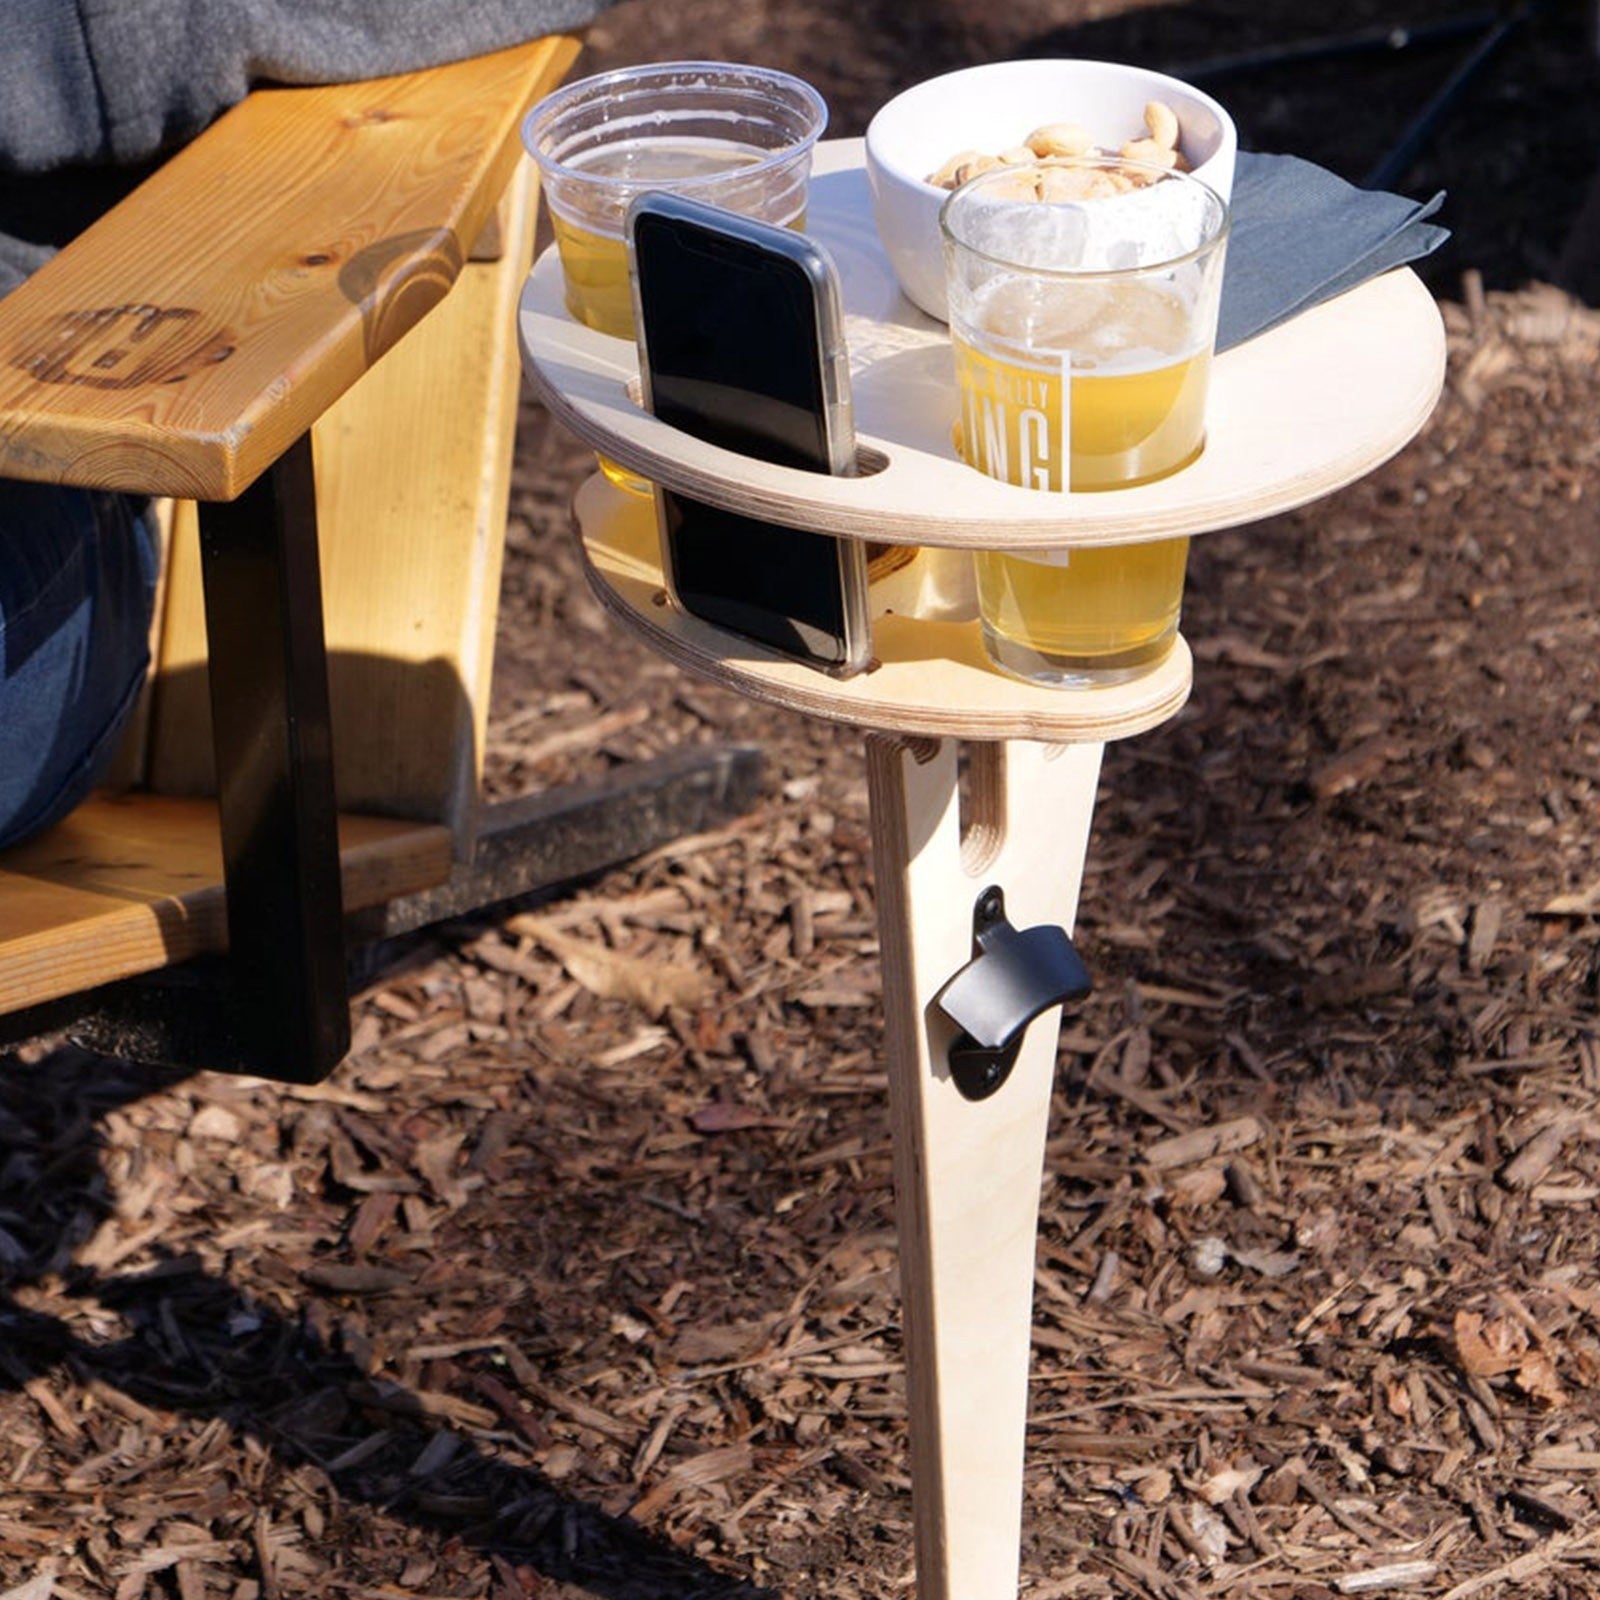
737	333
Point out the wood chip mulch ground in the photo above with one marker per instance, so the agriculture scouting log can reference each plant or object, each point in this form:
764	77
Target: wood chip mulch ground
579	1278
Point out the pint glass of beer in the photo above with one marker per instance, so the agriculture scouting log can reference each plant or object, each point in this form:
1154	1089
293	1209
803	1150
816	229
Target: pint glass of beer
1083	312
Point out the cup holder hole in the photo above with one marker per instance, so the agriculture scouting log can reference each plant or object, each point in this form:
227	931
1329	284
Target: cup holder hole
869	461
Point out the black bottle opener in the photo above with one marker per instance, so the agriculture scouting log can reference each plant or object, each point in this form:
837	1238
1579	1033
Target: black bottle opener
1015	974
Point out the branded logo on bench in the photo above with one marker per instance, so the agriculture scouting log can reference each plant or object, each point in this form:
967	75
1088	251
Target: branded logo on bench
123	347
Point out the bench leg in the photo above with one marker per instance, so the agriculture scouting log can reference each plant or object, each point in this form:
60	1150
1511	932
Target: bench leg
967	1172
269	702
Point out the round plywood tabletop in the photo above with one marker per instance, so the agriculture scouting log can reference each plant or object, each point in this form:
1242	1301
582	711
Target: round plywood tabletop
1294	414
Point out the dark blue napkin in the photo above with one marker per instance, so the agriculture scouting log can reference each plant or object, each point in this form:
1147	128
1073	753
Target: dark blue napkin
1302	235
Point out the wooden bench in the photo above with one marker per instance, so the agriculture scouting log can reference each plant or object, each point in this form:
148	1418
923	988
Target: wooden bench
301	329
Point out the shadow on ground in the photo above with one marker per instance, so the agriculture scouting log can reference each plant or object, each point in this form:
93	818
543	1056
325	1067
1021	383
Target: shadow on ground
196	1346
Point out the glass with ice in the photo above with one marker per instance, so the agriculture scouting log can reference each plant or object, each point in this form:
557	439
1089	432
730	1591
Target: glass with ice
1083	308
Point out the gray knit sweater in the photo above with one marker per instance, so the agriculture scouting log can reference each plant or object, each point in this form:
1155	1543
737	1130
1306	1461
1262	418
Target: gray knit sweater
86	84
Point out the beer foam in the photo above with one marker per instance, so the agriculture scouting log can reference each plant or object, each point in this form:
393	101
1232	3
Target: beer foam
1116	233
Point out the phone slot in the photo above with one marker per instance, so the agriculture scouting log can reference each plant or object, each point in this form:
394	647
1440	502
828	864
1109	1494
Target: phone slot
870	461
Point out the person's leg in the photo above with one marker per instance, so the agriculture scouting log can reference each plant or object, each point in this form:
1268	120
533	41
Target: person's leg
77	582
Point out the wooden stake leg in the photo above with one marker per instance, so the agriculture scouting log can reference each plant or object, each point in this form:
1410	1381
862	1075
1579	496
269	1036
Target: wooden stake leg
967	1173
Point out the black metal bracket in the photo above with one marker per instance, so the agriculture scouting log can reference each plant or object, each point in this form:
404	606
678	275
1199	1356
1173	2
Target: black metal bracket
1015	974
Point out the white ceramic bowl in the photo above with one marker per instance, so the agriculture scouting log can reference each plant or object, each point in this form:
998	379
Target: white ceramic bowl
995	107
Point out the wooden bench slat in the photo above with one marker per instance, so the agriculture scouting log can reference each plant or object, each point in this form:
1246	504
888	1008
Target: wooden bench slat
411	500
182	344
132	884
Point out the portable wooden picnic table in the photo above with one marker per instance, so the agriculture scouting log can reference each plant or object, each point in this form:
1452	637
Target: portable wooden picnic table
1294	415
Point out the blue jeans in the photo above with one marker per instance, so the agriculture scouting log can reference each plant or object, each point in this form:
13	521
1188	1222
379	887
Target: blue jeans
77	582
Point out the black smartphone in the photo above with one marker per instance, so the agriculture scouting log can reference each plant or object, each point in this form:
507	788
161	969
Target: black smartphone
741	343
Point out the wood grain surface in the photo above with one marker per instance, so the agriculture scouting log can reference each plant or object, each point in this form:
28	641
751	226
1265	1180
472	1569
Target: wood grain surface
183	341
411	501
967	1173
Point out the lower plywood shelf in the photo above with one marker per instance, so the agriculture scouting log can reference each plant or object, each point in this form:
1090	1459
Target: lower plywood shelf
929	679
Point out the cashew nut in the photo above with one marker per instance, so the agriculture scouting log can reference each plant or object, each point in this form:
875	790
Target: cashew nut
1148	151
1162	121
1074	183
945	177
971	169
1059	143
1060	139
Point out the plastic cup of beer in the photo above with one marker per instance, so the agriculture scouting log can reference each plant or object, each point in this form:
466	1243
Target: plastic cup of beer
735	136
1083	312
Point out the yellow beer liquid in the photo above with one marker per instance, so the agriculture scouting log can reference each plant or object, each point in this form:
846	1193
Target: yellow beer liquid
595	269
1133	427
1109	610
594	260
1126	407
1135	399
